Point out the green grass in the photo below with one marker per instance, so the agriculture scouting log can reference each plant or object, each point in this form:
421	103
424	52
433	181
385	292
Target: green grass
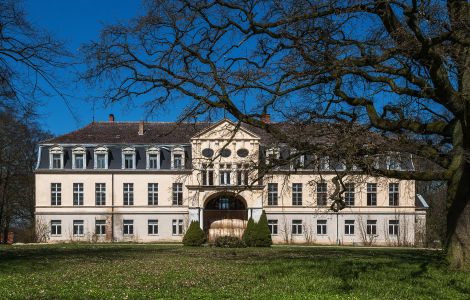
158	271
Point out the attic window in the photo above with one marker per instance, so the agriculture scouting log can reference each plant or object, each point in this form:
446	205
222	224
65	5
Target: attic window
79	158
153	158
177	158
56	158
128	158
100	158
272	154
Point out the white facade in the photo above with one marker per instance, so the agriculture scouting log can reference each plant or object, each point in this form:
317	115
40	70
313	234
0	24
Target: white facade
133	209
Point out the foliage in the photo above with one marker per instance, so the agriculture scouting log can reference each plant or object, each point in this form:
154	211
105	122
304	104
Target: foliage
194	236
262	235
149	271
229	242
249	233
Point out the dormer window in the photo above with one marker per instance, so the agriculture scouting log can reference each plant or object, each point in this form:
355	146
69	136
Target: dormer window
128	158
272	155
56	158
79	158
324	163
298	162
177	158
153	158
101	158
393	163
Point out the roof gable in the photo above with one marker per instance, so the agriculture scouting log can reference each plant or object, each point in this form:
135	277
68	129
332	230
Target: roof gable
225	129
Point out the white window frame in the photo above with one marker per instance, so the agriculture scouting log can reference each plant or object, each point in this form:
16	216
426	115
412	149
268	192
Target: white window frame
350	194
324	163
128	194
56	150
394	194
393	164
298	162
371	227
349	227
101	224
298	227
177	227
78	194
272	152
129	224
297	195
225	174
152	193
207	175
56	193
177	151
372	192
103	151
273	225
273	194
152	224
393	227
322	227
128	151
79	151
100	193
322	193
80	226
153	151
57	225
177	194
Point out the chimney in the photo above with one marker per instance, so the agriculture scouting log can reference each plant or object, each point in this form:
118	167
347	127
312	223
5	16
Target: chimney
265	118
111	118
141	128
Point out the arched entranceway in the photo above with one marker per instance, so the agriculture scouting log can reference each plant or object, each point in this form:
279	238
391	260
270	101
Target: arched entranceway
224	206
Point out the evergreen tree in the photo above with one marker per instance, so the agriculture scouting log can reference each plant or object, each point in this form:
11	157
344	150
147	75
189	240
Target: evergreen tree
249	233
262	236
194	236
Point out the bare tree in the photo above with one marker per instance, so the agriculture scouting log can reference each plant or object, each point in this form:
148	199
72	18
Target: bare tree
398	68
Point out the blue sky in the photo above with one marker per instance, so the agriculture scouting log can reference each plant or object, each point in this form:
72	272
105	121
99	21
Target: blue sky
77	22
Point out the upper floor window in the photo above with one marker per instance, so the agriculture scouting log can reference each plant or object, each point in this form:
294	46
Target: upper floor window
101	158
324	163
272	155
298	160
128	158
177	158
56	158
242	174
322	189
372	194
78	194
297	194
272	193
177	193
349	194
207	174
393	194
100	193
128	190
56	194
393	162
152	193
224	174
153	158
79	158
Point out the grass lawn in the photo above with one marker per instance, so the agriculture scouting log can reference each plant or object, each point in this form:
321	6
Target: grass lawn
158	271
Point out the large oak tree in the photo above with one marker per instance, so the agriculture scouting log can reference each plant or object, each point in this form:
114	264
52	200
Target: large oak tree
399	68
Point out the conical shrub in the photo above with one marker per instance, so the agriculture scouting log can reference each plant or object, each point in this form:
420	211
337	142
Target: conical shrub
262	236
249	233
194	236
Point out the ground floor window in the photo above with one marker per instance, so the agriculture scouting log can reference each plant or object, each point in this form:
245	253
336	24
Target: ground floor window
393	227
371	227
56	227
296	226
100	227
272	224
177	227
349	227
153	227
321	227
78	227
128	227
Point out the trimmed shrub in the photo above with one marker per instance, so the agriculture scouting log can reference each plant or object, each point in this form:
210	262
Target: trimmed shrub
194	236
229	242
262	235
249	233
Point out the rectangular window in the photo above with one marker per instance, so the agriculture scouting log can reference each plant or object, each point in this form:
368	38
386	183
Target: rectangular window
349	194
224	174
321	227
322	189
393	227
272	193
78	227
153	161
296	194
371	227
349	227
78	194
128	161
100	227
297	227
79	161
242	175
393	194
272	224
101	161
177	194
153	193
372	194
100	193
128	227
207	175
56	194
153	227
56	227
177	227
56	161
177	161
128	193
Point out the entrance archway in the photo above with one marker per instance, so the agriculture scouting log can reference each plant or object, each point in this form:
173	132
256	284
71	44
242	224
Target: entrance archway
224	206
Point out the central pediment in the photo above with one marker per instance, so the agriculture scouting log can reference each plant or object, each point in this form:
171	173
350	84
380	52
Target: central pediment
225	130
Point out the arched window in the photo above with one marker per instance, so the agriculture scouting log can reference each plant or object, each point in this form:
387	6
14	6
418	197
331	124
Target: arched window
100	158
153	158
56	157
177	158
79	158
128	158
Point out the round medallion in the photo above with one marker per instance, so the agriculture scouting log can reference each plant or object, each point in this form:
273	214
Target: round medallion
225	153
242	152
208	152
